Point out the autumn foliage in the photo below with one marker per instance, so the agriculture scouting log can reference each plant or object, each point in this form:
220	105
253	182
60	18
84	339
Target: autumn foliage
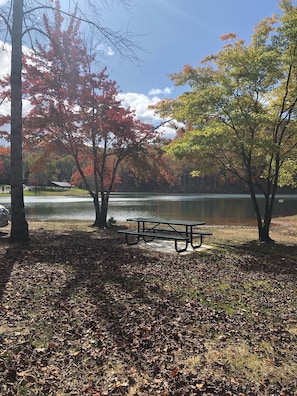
78	112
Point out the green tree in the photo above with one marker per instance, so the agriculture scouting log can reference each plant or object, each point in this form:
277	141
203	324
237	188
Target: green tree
39	169
152	169
240	111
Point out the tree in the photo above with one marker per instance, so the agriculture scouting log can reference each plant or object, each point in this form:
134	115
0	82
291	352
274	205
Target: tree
19	228
240	112
4	164
151	169
78	112
14	18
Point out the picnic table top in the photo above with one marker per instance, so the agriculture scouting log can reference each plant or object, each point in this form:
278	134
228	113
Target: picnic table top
166	221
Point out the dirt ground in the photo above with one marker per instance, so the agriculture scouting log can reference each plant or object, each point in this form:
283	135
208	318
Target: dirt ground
83	314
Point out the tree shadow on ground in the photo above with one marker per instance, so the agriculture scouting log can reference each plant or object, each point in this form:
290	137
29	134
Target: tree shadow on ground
129	319
118	313
270	258
8	257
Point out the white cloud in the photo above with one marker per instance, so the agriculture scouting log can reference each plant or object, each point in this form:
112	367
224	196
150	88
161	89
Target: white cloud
106	49
5	61
140	104
157	91
5	56
5	107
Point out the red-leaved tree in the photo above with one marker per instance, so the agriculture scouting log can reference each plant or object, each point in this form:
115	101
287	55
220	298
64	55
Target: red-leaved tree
78	112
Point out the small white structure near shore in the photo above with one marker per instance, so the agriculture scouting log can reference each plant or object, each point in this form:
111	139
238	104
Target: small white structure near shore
61	184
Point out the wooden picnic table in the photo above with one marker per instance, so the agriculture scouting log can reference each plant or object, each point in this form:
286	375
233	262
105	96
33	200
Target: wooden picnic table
149	228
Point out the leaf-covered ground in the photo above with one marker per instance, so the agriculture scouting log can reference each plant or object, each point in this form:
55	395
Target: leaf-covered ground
81	314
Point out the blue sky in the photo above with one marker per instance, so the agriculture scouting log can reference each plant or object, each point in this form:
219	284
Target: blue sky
173	33
170	33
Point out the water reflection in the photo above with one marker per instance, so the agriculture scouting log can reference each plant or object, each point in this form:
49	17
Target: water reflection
212	208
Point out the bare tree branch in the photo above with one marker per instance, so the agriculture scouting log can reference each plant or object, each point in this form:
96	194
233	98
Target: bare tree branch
122	42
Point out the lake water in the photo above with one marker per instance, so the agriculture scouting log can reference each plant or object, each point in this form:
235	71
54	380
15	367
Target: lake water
212	208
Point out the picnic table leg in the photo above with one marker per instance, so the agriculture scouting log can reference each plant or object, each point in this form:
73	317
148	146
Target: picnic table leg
181	250
142	229
186	242
197	246
139	229
191	238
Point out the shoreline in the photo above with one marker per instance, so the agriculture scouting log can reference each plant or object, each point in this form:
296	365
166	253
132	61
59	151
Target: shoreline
283	230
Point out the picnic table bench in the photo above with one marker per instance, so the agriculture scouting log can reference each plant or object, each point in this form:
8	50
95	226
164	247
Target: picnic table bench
149	228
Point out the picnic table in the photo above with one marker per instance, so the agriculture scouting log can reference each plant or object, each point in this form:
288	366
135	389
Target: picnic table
180	231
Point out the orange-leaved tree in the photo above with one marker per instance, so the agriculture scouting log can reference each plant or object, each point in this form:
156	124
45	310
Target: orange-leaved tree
79	112
21	18
4	159
152	169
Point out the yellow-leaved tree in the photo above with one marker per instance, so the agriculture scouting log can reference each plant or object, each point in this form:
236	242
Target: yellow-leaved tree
240	111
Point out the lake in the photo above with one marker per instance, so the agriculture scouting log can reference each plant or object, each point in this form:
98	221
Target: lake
216	209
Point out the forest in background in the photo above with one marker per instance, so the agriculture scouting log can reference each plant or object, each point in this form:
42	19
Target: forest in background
39	175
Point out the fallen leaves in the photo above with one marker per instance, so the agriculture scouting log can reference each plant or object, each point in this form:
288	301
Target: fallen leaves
80	315
174	372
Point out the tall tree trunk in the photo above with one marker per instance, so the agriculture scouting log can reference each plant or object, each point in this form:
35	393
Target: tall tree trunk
263	225
19	225
97	210
104	208
101	210
268	211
